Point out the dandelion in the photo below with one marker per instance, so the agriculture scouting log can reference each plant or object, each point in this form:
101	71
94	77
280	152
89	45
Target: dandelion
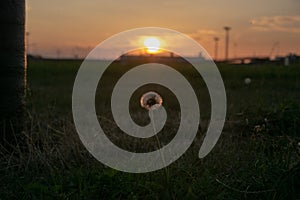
257	128
247	81
151	100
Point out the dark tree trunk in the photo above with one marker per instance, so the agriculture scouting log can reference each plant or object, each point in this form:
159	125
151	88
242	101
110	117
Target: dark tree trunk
12	69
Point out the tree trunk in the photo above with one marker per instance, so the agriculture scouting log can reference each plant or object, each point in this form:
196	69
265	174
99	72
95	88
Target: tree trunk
12	69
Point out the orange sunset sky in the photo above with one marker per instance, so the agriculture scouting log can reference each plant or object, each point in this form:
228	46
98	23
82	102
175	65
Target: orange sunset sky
73	27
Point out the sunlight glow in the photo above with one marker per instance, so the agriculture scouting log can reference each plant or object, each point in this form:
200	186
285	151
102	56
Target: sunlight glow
152	44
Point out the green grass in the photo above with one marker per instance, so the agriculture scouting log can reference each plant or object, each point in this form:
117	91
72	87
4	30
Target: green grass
257	156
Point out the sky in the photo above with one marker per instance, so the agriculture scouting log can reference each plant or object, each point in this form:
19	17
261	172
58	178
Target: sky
74	27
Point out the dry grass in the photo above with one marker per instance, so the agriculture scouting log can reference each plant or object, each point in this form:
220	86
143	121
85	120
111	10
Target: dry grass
257	155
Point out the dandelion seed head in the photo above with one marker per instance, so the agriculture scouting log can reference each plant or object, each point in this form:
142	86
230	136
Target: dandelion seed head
151	100
247	81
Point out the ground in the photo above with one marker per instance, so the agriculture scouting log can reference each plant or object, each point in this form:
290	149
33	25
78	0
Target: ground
257	156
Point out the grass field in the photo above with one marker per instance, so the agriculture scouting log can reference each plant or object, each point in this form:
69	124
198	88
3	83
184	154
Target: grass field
257	156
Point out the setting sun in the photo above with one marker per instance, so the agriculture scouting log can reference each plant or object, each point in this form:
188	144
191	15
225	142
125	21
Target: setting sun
152	44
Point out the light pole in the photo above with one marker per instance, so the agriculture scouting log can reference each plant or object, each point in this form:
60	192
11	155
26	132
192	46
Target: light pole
216	47
227	29
235	49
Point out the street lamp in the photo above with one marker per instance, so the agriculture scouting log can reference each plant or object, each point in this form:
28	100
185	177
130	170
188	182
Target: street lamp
216	47
227	29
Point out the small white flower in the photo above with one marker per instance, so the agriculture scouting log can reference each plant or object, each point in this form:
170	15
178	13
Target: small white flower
257	128
151	100
247	81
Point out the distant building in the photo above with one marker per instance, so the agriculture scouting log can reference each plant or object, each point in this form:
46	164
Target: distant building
290	59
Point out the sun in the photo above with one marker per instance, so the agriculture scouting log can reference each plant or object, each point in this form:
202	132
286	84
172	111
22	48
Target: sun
152	44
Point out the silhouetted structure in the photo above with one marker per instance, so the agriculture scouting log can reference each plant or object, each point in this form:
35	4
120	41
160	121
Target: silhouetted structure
216	47
227	29
157	58
12	69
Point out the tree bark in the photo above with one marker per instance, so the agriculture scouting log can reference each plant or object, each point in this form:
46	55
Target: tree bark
12	69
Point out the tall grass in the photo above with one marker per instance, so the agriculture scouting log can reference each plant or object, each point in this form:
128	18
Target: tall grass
257	155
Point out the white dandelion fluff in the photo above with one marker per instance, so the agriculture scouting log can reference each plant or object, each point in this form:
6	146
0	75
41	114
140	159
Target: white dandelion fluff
151	100
247	81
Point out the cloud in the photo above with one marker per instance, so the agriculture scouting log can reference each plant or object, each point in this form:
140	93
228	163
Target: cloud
202	34
290	24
